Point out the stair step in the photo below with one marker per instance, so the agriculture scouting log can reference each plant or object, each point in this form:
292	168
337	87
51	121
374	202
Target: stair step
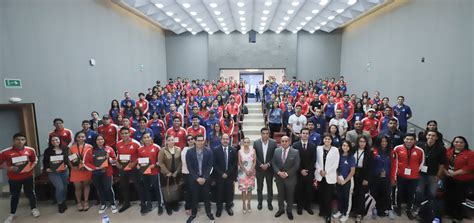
259	114
255	123
253	118
254	105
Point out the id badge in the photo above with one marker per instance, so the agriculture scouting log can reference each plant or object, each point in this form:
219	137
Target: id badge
407	171
176	139
424	169
383	174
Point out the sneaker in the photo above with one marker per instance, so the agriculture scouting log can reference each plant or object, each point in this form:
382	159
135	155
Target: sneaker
35	212
358	219
114	209
390	214
344	218
9	219
102	209
337	215
374	213
397	211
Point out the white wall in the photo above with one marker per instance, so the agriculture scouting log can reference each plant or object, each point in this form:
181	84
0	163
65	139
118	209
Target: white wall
395	38
186	55
48	44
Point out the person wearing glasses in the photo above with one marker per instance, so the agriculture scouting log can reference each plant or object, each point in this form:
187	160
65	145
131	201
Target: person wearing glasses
185	172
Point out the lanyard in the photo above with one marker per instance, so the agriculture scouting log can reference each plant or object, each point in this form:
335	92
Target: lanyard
453	158
358	157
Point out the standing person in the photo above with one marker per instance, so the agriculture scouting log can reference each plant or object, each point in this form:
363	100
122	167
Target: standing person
80	176
99	160
285	163
407	160
169	160
327	161
257	93
184	170
55	163
345	183
215	136
274	118
296	122
264	149
109	131
91	135
142	129
95	121
305	176
363	159
314	137
431	125
380	180
246	177
459	171
147	156
158	127
127	150
225	170
402	112
340	122
199	161
227	124
371	124
431	172
114	111
20	161
63	133
358	131
392	132
178	132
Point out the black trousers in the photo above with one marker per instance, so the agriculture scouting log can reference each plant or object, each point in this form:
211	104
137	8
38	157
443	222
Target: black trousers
326	192
200	191
151	183
358	197
344	200
125	177
225	193
406	189
268	177
187	192
380	189
454	194
274	127
304	191
15	192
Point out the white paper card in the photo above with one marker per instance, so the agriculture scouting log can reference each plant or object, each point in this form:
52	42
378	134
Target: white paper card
424	169
144	160
176	139
56	158
73	157
19	159
124	157
407	171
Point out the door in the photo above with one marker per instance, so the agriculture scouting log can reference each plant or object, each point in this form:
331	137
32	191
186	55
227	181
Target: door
251	81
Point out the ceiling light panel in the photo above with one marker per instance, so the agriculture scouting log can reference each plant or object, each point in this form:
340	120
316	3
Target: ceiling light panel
211	16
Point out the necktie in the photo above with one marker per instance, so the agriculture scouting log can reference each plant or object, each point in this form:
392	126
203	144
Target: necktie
225	157
304	146
283	155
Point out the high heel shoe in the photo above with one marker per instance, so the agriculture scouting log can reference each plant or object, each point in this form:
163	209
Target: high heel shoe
244	211
249	209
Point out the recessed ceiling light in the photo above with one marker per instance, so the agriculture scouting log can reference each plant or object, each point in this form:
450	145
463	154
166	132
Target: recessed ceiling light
331	17
213	5
286	18
240	4
323	2
194	33
243	24
223	24
203	24
177	20
308	18
193	13
266	12
242	19
190	29
340	11
291	11
351	2
217	12
227	33
261	32
184	25
280	28
315	11
298	28
263	24
282	24
262	28
225	28
268	3
264	18
295	3
312	31
241	12
169	13
186	5
207	29
323	23
317	27
159	5
210	33
198	19
220	19
303	23
278	31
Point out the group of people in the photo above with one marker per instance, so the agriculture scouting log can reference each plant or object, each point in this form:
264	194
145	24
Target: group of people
176	143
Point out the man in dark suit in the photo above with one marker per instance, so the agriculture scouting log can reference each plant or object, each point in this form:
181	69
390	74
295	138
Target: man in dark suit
225	173
264	147
304	186
199	161
285	162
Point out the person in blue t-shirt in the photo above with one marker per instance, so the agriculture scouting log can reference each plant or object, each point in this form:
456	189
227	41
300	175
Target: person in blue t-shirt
380	187
142	129
402	112
91	135
210	123
319	122
155	105
314	137
345	184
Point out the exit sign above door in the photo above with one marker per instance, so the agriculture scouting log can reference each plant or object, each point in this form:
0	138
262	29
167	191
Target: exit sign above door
12	83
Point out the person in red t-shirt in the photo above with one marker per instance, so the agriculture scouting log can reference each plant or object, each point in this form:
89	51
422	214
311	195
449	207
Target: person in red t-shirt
64	134
233	108
142	103
406	163
169	117
108	131
20	161
178	132
126	124
148	164
227	124
304	105
370	124
196	129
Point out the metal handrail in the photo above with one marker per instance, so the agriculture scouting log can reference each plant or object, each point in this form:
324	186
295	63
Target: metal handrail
447	143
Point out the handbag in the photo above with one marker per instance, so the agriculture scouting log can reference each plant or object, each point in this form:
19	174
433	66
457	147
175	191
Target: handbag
172	193
245	109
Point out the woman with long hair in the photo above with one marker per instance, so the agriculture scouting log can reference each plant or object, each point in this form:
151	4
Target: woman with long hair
363	160
274	118
333	131
227	124
380	187
114	110
135	119
184	170
127	111
246	174
169	160
80	176
345	183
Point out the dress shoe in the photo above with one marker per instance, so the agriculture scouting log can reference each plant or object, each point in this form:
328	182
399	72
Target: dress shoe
160	210
124	207
210	216
310	212
299	211
270	207
218	213
191	218
290	215
279	213
229	212
169	211
259	206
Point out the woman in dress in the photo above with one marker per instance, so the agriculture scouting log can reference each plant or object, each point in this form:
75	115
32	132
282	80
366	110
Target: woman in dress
80	176
246	175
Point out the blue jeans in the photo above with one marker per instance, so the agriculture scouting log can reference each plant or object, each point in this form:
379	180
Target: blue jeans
59	181
103	184
429	184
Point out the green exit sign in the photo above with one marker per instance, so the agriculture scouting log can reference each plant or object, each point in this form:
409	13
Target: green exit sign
12	83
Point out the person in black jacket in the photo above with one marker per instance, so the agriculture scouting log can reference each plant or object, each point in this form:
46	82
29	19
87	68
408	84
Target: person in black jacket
304	185
225	173
55	163
363	158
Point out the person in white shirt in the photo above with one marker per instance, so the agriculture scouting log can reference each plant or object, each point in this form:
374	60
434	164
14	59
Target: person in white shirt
340	122
296	122
184	170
